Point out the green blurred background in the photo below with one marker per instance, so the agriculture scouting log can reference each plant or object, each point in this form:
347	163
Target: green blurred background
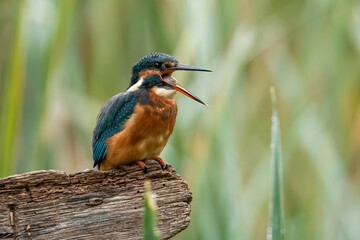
60	61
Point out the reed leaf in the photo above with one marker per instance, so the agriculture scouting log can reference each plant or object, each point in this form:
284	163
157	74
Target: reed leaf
151	231
275	229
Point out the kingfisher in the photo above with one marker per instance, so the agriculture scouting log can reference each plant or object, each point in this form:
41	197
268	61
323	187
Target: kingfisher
135	125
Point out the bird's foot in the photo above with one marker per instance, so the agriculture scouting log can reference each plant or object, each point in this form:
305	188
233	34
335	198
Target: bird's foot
142	165
162	162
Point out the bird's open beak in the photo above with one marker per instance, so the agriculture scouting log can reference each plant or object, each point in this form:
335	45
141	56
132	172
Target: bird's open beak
188	68
179	88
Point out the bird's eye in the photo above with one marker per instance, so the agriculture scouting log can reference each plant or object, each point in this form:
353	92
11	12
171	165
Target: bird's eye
157	64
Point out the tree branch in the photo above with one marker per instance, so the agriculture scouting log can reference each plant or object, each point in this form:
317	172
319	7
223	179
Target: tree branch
91	204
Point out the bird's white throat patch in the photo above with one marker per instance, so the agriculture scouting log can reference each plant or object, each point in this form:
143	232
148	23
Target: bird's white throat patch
169	93
165	92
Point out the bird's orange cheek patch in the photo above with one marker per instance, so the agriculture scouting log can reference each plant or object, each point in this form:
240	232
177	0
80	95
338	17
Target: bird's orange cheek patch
170	64
147	73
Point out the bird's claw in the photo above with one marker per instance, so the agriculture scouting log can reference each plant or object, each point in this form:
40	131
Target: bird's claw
158	159
162	162
142	165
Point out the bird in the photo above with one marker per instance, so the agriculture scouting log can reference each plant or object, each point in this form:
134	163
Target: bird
135	125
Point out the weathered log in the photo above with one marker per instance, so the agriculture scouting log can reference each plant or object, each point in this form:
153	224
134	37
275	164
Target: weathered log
91	204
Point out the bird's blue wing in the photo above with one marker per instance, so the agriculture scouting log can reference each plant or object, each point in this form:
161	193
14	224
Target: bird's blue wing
110	121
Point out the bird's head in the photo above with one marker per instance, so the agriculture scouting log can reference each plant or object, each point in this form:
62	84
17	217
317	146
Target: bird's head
154	71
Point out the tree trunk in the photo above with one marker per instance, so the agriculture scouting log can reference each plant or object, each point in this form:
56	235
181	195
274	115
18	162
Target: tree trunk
91	204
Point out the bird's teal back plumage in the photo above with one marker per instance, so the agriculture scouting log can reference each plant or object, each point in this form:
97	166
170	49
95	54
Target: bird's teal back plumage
111	119
114	115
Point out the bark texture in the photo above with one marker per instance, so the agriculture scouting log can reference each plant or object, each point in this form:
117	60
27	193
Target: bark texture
91	204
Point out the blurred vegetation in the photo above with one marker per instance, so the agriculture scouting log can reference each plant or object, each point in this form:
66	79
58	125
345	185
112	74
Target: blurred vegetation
61	60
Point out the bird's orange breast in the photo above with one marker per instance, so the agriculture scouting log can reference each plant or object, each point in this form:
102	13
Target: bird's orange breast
144	135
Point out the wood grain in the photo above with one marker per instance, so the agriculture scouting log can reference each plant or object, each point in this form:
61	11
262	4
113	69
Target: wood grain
91	204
